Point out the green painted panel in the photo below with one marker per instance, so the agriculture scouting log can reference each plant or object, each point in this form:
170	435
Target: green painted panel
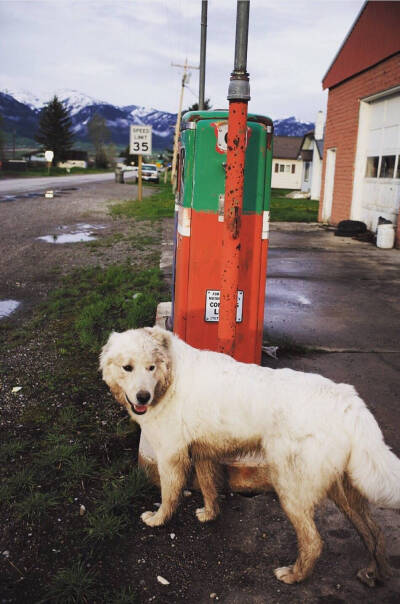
205	159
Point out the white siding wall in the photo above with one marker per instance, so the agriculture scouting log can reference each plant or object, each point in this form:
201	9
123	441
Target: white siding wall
285	179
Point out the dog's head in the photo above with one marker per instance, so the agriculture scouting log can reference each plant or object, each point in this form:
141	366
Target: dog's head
136	365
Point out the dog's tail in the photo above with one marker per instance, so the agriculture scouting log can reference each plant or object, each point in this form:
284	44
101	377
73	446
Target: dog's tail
373	468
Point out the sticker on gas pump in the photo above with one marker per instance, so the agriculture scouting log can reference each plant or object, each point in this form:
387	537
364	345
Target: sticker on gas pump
212	306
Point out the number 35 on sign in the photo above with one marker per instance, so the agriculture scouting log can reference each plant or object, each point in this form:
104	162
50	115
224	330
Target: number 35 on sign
140	140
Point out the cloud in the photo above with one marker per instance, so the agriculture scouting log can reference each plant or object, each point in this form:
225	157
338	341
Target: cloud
121	50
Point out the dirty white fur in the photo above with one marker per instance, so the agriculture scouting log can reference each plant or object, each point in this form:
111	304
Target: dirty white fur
312	431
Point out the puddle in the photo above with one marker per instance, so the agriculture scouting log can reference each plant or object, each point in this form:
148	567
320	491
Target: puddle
33	194
6	198
77	234
7	307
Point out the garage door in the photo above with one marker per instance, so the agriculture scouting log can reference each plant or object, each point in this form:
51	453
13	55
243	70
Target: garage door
381	179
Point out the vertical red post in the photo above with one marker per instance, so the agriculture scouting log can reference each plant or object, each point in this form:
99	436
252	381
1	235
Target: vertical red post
235	161
238	96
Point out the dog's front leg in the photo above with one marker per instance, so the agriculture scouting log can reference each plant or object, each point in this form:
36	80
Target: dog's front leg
172	477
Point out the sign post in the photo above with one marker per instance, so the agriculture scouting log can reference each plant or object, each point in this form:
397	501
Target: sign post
140	144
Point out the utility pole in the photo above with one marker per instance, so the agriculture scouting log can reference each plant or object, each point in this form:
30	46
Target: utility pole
238	97
203	42
186	69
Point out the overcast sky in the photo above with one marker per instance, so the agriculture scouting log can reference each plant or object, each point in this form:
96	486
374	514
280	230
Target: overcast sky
121	51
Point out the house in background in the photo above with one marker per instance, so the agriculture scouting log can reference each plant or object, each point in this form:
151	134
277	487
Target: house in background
287	165
361	170
311	151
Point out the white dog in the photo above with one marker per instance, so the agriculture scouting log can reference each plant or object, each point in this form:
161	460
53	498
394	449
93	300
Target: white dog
318	438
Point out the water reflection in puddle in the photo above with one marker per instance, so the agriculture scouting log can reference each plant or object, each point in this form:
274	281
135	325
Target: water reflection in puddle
77	234
7	307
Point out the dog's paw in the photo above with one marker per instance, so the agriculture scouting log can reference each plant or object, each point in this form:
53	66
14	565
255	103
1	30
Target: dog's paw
285	574
152	518
205	515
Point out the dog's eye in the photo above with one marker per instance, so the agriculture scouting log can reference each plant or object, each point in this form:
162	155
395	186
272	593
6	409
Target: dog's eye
127	367
152	367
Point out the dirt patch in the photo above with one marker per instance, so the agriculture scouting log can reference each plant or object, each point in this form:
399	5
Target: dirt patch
29	266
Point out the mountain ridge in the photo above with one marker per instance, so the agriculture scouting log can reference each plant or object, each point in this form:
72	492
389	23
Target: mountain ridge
21	109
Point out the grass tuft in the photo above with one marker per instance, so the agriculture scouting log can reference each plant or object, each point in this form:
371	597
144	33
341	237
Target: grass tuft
74	585
159	205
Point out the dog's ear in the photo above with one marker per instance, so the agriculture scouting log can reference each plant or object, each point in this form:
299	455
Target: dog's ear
162	336
104	359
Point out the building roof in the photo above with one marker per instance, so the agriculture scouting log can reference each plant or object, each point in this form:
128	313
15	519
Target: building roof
287	147
373	37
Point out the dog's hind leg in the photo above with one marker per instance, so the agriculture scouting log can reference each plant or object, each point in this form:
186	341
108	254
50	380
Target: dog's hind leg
308	540
356	508
173	475
208	476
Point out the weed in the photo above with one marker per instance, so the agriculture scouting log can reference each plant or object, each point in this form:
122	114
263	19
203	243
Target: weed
35	505
72	585
58	454
79	467
23	481
10	449
105	525
123	596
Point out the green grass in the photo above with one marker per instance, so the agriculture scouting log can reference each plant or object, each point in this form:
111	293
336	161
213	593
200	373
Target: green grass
159	205
284	209
99	300
71	444
74	585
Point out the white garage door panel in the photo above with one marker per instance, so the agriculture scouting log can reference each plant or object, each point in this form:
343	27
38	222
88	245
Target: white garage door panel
380	196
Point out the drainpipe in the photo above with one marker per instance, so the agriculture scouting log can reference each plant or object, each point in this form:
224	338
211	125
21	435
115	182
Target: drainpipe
238	97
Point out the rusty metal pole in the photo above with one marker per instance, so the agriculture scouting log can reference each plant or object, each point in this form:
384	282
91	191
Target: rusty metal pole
238	96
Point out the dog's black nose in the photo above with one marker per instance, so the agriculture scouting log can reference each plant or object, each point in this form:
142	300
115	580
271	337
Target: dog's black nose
143	396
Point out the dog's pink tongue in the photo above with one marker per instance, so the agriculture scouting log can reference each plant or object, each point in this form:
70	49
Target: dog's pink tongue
141	408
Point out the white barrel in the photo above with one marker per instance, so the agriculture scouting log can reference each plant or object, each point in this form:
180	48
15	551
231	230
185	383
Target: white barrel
385	236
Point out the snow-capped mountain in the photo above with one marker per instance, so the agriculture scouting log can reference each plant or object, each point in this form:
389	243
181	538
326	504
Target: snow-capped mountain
20	112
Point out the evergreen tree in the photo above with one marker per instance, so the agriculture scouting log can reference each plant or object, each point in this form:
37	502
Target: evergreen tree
55	130
99	134
195	106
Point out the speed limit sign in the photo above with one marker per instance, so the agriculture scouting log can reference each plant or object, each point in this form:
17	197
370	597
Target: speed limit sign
140	140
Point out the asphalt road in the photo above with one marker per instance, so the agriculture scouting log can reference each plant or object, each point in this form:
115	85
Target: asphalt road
26	185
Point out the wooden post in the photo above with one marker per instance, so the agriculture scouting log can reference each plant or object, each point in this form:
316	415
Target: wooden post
140	178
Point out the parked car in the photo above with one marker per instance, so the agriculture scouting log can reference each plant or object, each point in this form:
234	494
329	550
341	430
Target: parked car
149	172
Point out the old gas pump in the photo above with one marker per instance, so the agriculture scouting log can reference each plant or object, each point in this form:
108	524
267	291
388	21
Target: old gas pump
201	198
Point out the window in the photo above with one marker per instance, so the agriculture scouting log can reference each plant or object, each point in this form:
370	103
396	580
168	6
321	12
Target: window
287	167
398	167
372	167
293	168
281	167
387	166
276	167
306	171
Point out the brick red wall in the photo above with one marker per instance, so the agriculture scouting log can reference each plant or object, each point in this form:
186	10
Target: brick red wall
342	128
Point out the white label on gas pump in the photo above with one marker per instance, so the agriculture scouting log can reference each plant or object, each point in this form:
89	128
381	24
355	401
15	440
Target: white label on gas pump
212	306
265	226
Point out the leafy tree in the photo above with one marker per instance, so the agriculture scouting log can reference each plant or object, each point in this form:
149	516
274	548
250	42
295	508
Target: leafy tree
99	135
55	130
